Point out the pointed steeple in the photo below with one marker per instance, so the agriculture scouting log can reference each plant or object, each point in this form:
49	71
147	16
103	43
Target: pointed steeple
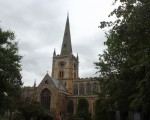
66	48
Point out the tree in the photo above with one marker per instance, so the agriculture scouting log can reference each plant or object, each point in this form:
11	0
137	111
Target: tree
10	67
100	114
83	109
30	109
126	62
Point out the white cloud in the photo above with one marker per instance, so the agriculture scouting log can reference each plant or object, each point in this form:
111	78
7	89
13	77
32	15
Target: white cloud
39	26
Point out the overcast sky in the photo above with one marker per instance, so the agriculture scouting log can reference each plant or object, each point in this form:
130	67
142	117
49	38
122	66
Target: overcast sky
39	27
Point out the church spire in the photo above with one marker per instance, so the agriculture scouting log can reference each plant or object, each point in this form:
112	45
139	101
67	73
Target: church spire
66	48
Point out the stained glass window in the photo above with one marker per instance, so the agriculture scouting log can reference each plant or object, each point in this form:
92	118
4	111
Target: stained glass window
46	98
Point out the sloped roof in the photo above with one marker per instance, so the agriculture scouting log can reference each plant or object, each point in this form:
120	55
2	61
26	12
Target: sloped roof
56	83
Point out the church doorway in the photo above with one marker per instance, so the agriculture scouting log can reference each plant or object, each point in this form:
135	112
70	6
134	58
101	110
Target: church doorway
46	98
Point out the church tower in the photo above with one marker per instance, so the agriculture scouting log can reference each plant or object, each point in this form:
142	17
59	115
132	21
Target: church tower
65	65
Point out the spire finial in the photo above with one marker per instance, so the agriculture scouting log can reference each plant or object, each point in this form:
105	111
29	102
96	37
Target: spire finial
68	14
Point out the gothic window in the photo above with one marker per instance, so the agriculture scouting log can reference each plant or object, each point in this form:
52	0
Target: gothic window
81	89
46	98
75	75
95	87
88	88
75	66
61	74
83	105
75	89
70	107
65	45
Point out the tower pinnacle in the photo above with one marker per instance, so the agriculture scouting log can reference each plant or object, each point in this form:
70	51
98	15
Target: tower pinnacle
54	53
66	48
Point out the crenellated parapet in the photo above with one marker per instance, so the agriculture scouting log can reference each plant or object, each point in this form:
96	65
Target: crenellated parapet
87	78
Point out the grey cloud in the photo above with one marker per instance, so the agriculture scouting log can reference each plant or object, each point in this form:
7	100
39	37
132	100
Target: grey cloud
39	26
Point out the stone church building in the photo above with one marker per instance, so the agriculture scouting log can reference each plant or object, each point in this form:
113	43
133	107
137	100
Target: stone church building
61	92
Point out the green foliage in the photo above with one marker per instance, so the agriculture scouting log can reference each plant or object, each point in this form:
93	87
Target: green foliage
100	114
10	77
83	109
31	109
125	64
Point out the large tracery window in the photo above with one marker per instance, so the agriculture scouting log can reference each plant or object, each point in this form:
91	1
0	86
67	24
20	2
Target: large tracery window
46	98
75	89
88	88
81	89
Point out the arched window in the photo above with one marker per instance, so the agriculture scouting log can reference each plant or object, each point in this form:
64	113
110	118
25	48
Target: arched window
75	89
70	107
81	89
95	87
65	44
75	75
88	88
46	98
83	105
61	74
75	66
